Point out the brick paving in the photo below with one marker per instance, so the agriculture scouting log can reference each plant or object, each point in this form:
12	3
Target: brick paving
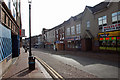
20	69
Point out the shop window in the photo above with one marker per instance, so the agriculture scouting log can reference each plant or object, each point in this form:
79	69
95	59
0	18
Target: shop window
118	44
68	45
108	43
113	43
77	44
103	43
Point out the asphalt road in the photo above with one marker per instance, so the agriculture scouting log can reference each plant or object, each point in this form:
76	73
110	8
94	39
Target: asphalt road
70	66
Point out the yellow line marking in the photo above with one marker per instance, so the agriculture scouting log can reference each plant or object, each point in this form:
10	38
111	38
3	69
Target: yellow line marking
54	73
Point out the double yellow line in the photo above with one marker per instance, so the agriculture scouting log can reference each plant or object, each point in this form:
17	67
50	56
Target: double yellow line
50	70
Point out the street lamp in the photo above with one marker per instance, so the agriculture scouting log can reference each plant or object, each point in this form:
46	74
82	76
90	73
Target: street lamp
30	1
31	58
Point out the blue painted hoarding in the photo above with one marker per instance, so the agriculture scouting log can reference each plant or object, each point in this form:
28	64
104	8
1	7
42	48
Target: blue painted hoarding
5	43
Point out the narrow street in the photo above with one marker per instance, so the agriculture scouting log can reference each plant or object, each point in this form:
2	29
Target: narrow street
70	66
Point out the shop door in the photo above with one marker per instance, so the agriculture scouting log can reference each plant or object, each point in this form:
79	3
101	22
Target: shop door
88	42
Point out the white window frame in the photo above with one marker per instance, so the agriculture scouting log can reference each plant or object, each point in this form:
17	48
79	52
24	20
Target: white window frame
73	30
56	31
103	20
68	31
78	28
88	24
116	15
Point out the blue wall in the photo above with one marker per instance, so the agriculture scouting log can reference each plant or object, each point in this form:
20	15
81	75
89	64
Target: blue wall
5	43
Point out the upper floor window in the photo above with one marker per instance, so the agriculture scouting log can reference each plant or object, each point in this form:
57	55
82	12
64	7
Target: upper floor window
116	16
9	5
63	36
56	31
68	31
102	20
78	29
88	24
73	30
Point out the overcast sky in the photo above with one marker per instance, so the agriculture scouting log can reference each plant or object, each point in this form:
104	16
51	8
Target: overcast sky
50	13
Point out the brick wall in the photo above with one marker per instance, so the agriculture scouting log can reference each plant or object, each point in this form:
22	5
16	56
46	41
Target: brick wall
2	16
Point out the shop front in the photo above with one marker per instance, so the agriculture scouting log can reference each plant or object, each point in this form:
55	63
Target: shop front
73	43
109	41
48	45
60	45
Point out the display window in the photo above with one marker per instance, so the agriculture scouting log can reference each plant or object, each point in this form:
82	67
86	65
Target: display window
77	44
108	43
118	43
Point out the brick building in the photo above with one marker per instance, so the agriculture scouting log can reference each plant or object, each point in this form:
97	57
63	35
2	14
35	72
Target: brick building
59	37
96	28
9	32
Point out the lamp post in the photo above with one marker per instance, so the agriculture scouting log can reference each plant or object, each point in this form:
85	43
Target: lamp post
30	1
31	58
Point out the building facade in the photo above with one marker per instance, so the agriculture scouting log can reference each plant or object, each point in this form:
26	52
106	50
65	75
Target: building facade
50	38
73	33
9	33
108	22
97	28
60	37
36	41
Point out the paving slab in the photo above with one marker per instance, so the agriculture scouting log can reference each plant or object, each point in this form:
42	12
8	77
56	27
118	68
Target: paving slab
20	69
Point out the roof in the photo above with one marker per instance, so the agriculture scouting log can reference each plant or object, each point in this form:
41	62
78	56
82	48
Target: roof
98	7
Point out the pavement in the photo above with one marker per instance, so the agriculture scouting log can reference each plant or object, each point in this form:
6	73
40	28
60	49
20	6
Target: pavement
20	69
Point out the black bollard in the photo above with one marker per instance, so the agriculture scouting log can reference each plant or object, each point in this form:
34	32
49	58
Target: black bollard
31	63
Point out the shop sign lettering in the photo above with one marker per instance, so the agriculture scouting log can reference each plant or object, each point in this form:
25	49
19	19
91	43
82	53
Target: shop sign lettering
104	35
112	27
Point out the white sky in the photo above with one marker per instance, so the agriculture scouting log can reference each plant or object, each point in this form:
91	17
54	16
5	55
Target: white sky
50	13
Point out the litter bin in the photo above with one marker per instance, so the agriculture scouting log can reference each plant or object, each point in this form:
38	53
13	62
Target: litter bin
31	63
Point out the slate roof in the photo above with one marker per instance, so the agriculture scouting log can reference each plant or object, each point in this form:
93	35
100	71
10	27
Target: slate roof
98	7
